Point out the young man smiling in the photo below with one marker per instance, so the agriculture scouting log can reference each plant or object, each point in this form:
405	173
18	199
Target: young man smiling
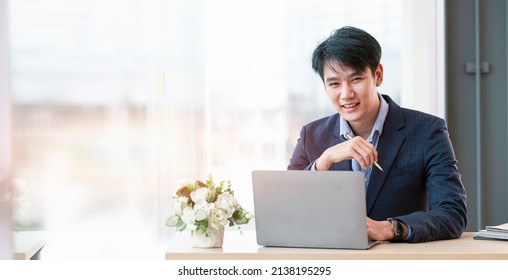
414	191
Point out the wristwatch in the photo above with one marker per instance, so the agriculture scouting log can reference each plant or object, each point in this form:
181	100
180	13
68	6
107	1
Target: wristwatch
397	229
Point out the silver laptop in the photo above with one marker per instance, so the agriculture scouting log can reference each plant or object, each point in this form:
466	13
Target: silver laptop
314	209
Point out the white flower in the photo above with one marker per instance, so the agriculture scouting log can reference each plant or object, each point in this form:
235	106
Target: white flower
218	218
179	204
188	217
200	195
202	210
227	202
205	206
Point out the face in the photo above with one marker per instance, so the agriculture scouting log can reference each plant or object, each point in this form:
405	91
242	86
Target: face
353	94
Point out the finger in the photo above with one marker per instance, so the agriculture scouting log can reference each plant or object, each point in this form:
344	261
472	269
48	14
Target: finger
362	160
368	152
365	155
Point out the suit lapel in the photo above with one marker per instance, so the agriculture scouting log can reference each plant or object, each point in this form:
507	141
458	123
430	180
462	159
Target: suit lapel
388	147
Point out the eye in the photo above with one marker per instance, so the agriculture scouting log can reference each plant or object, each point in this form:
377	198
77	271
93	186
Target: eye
334	84
356	79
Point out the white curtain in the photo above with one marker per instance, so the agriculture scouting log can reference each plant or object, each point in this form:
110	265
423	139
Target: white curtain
6	244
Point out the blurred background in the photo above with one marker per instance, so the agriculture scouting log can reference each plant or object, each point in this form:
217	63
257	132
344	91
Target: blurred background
107	104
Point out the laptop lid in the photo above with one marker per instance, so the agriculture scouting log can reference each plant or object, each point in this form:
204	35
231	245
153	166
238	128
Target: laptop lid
315	209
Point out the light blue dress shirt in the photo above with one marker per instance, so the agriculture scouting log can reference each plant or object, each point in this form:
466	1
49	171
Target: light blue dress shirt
376	132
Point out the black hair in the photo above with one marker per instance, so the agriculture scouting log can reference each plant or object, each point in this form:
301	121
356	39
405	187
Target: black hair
350	47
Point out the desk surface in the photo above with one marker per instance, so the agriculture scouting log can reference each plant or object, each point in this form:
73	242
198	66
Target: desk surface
28	243
244	247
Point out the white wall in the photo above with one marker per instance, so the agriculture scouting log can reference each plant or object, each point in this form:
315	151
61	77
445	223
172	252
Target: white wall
423	84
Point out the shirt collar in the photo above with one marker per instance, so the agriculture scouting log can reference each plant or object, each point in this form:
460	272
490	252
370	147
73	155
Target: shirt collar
378	124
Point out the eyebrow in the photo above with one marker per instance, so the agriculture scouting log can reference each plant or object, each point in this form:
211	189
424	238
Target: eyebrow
331	79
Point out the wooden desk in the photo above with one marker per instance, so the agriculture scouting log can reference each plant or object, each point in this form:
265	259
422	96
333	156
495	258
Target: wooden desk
28	244
244	247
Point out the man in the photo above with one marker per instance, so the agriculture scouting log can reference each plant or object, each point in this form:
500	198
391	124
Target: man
416	194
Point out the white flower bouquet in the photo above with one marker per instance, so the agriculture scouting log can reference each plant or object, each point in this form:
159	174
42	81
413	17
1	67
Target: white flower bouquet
203	206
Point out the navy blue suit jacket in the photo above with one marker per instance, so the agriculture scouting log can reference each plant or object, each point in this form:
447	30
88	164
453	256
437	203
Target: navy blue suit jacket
420	185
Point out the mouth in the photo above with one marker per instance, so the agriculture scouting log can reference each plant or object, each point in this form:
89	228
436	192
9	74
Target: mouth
350	106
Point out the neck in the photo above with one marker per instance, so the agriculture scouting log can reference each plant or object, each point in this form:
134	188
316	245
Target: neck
364	133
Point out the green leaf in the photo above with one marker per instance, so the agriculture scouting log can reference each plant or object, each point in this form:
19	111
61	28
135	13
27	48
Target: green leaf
173	221
176	222
202	227
240	217
180	225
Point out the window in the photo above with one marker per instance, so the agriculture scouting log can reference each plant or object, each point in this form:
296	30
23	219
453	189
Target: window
115	101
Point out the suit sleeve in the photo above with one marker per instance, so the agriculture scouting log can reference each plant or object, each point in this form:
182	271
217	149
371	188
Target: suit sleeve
446	216
300	160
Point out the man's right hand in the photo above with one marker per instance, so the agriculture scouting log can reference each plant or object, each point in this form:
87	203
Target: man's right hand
358	148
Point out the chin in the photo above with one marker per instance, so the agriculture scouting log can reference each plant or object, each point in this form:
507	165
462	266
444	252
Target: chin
349	117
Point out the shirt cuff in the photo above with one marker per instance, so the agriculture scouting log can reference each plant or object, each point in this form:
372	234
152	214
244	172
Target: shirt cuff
409	237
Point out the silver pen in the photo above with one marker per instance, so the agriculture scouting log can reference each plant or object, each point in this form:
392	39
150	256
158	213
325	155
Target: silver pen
375	162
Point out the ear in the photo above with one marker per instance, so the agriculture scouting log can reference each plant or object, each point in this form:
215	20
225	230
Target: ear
379	75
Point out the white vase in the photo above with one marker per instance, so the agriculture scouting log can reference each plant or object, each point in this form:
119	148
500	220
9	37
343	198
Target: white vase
214	239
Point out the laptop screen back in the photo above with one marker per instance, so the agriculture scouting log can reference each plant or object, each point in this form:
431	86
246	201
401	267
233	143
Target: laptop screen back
323	209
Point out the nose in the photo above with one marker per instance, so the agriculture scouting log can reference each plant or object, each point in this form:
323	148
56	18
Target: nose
346	91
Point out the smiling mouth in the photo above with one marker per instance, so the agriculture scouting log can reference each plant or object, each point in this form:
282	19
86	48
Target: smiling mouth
349	106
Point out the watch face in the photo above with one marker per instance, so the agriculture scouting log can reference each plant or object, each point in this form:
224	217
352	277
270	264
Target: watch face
396	227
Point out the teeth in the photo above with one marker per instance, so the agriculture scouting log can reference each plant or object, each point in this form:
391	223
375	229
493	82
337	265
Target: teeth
350	105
